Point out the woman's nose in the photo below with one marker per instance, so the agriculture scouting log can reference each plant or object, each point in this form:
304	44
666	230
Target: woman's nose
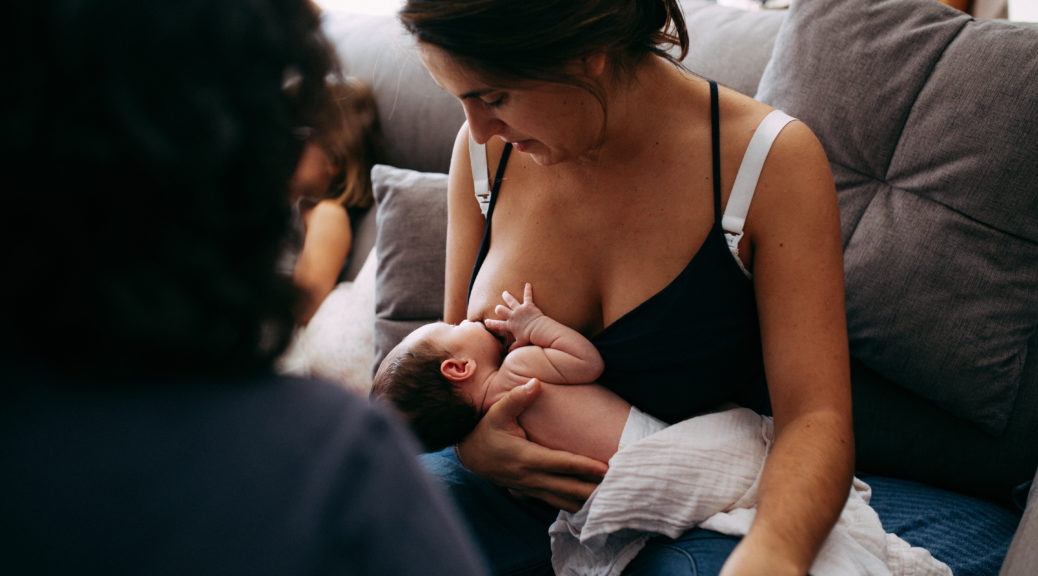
482	126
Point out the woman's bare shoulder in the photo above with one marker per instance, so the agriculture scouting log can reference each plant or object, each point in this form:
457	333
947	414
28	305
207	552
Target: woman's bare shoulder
794	151
740	114
796	185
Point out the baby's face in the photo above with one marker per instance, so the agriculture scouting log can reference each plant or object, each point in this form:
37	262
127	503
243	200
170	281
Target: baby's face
467	339
472	340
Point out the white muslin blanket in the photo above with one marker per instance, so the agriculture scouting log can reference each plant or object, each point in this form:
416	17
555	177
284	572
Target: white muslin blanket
704	472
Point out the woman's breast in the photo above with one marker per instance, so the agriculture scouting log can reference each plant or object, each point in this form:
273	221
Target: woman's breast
563	285
691	346
585	273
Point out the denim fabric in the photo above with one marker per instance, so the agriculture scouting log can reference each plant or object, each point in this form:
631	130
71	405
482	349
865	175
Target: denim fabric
513	534
697	552
968	534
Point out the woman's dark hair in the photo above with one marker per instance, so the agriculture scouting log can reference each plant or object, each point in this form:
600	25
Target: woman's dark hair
511	42
156	141
411	381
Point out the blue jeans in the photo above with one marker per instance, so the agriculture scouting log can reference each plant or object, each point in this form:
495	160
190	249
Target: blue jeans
513	534
969	534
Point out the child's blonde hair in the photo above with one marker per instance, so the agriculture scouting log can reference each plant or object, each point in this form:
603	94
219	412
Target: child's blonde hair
349	133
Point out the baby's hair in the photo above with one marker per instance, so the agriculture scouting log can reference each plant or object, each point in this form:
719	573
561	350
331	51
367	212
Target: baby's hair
412	382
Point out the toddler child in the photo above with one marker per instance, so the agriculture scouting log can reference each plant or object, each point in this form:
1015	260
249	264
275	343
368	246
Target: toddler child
330	187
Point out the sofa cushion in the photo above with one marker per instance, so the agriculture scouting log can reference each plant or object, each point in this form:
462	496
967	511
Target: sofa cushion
419	120
718	47
928	118
411	244
336	345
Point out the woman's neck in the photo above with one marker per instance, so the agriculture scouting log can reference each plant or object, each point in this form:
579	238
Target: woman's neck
633	124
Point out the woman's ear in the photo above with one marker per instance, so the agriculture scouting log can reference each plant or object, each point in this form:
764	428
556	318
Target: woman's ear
457	369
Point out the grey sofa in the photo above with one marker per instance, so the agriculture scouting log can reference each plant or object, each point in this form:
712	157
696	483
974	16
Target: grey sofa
930	120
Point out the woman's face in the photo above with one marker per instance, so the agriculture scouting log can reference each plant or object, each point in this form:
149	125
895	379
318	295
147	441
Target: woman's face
549	121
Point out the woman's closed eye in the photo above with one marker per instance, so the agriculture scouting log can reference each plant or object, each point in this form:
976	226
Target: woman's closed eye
492	100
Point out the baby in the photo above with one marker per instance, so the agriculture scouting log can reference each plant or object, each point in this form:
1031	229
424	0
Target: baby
444	377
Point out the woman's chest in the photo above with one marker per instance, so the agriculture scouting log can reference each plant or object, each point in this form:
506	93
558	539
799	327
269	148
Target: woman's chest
591	256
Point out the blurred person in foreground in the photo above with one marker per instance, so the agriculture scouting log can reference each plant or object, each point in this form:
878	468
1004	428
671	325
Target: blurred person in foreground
143	430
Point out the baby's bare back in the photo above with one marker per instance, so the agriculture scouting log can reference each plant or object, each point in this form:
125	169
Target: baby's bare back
585	419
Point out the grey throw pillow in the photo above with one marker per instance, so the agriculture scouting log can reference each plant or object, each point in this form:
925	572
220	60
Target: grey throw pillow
929	119
410	247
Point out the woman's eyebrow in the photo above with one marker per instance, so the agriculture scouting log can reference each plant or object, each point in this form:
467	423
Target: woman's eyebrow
477	93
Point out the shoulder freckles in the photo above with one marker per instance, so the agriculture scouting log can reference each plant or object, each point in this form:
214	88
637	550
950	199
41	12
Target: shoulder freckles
796	175
798	142
796	156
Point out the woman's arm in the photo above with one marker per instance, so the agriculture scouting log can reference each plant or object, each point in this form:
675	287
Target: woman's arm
465	225
326	246
794	228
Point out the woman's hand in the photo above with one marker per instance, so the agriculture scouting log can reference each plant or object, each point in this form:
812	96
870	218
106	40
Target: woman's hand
499	451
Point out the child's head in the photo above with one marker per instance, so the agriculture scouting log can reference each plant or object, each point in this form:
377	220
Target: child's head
436	378
343	145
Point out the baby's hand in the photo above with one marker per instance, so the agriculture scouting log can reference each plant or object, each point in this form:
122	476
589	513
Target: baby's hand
519	318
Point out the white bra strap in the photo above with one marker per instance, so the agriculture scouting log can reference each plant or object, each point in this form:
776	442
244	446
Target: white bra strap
480	177
749	171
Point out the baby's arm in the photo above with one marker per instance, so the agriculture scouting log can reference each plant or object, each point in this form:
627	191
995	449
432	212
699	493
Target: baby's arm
558	355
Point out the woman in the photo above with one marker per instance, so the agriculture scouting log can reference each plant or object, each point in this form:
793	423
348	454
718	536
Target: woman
612	171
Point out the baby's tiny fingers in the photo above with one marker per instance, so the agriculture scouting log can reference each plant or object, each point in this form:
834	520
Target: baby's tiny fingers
509	299
492	324
497	327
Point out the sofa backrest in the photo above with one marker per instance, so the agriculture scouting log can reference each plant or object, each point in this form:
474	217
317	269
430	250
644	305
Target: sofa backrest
420	120
930	121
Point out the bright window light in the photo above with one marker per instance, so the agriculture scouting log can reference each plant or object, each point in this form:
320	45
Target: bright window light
362	6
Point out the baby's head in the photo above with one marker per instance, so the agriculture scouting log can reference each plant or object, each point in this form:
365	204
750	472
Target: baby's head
414	379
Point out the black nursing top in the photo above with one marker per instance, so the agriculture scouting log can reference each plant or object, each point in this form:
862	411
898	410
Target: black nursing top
693	345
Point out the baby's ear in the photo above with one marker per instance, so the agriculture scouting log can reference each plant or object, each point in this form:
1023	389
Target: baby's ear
457	370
